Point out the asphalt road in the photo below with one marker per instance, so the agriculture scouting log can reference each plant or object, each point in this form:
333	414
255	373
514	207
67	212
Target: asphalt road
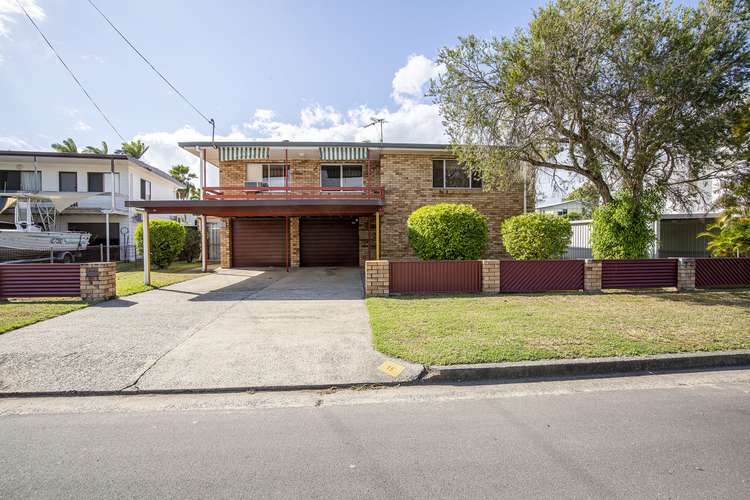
662	436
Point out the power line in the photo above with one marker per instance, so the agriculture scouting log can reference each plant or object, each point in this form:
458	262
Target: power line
80	85
195	108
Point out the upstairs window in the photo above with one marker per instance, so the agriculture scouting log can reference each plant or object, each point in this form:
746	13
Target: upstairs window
341	176
447	174
266	175
145	189
20	180
68	182
100	182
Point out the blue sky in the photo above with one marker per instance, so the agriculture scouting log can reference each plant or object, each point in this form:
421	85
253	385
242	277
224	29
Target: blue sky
262	69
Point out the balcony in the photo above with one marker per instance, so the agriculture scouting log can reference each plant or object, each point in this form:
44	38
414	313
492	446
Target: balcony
294	193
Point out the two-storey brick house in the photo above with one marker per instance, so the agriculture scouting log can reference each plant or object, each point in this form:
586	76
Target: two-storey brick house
332	204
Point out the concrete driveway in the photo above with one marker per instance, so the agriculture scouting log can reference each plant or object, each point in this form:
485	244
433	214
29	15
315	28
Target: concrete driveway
229	329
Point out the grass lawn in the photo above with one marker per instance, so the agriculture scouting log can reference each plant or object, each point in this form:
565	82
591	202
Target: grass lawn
130	276
16	313
477	329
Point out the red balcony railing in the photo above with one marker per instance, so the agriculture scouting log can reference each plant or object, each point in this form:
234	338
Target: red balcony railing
293	193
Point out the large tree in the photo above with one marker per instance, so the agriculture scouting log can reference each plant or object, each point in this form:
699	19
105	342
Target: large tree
628	94
66	146
182	174
97	151
134	149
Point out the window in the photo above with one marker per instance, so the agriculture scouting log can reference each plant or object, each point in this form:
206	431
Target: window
145	189
449	174
266	175
99	182
341	176
68	181
95	182
20	180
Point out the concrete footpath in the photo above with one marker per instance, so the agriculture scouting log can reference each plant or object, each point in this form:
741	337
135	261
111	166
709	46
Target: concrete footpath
233	329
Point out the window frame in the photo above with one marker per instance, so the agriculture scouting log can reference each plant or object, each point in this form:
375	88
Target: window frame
88	182
59	181
445	161
145	194
20	188
341	175
266	179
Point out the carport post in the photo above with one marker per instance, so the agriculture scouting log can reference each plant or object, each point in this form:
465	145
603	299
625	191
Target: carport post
204	244
146	251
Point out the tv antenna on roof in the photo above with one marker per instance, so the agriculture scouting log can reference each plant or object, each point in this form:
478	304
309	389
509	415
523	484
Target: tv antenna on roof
376	121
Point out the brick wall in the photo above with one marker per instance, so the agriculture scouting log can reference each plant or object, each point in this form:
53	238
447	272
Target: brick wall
407	178
377	278
294	241
686	274
490	276
225	243
98	281
592	275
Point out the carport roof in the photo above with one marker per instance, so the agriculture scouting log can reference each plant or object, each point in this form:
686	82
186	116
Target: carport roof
260	208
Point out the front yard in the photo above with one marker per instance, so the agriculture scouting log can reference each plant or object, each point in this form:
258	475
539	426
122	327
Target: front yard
16	313
476	329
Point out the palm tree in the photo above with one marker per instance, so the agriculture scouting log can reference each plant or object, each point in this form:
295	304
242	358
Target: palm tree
97	151
67	146
183	174
134	149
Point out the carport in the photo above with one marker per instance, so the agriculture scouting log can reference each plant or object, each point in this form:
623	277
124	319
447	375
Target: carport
261	219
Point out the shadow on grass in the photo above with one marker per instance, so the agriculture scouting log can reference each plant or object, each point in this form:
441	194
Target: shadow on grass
41	301
734	297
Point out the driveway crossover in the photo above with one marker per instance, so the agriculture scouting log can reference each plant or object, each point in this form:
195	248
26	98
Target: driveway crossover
229	329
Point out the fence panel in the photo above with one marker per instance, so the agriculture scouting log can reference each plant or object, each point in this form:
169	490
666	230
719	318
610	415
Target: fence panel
640	273
540	275
436	277
40	280
716	273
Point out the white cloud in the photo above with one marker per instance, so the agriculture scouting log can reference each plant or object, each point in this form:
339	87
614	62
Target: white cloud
411	118
410	81
81	126
11	142
10	12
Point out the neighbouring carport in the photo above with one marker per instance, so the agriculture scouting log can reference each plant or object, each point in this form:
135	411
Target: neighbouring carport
261	222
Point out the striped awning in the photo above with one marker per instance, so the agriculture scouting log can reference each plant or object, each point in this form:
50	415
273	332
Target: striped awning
343	153
228	153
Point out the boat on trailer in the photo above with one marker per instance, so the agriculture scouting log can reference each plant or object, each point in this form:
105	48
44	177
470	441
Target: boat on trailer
39	236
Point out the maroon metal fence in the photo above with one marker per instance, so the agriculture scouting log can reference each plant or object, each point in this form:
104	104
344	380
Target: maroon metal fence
540	275
438	276
639	273
40	280
716	273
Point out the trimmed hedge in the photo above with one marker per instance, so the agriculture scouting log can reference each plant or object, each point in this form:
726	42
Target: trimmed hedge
448	231
166	238
536	236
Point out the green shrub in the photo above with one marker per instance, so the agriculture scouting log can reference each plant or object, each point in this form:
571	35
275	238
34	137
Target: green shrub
729	236
619	230
191	247
447	231
167	238
536	236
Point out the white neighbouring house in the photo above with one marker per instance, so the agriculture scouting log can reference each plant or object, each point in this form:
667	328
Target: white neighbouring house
31	171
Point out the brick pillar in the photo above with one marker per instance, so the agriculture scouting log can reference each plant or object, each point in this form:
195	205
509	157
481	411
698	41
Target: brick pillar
490	276
294	241
685	274
592	275
377	278
225	242
98	281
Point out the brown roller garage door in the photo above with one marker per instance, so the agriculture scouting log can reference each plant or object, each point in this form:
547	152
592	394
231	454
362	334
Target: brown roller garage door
329	242
258	242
